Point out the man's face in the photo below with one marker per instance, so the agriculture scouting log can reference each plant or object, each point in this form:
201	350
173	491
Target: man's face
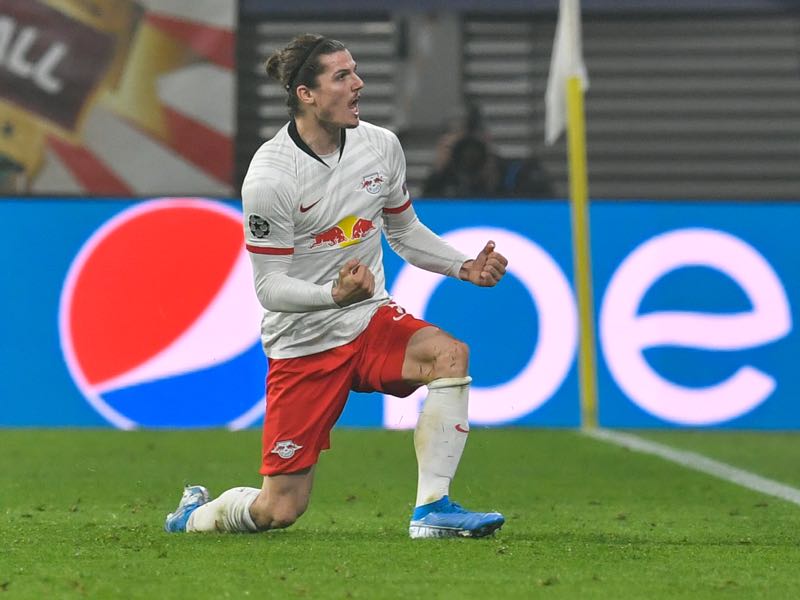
337	92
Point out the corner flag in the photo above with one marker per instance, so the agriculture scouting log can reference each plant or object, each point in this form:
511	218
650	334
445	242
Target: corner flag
565	63
564	105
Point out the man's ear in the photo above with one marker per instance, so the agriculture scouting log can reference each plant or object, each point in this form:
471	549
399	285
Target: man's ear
304	94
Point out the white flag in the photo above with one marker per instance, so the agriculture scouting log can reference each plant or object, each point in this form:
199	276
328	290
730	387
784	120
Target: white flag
566	62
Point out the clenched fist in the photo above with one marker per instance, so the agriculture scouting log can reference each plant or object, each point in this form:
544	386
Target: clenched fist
487	269
356	283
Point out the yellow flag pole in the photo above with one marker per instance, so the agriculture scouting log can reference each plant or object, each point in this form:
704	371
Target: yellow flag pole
579	202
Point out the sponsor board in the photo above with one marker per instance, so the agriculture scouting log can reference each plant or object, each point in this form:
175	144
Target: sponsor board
142	314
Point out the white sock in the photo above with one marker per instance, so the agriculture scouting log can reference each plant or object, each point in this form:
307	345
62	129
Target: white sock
440	436
229	512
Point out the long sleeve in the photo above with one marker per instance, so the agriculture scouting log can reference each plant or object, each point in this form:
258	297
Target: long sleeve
278	292
419	246
405	233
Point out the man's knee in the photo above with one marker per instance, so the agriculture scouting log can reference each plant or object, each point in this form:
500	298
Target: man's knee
433	354
280	519
451	358
277	514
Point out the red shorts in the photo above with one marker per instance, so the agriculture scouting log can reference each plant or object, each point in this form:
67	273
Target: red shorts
306	395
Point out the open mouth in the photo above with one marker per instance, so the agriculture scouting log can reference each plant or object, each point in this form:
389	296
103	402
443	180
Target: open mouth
353	106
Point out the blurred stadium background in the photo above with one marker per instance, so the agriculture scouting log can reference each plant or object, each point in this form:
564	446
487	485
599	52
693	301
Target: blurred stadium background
688	99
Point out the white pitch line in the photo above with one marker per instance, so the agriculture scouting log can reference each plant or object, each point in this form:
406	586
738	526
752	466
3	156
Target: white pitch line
698	462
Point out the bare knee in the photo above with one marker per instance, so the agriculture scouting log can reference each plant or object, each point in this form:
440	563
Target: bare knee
279	513
450	359
281	518
433	354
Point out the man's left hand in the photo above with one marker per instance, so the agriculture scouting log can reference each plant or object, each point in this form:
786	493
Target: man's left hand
487	269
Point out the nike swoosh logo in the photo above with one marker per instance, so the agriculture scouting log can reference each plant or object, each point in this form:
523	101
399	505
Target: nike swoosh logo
309	207
461	429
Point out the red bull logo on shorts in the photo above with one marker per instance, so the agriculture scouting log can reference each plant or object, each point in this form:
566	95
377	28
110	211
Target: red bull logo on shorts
350	230
158	320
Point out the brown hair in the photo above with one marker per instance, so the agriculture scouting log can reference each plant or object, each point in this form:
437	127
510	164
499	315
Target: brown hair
298	64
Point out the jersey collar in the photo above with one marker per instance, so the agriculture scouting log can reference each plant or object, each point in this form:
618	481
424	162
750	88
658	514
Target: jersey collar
298	141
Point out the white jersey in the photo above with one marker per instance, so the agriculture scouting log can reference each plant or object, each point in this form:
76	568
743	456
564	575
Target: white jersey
323	213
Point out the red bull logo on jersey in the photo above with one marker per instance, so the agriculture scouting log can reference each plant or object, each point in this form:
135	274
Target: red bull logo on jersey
158	320
373	182
350	230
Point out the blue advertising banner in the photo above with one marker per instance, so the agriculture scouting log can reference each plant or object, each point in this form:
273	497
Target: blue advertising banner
142	314
696	309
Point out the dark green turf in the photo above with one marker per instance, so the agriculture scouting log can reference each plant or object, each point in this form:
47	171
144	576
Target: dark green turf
81	515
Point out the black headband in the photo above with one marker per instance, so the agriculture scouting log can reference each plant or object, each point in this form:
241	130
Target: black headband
303	64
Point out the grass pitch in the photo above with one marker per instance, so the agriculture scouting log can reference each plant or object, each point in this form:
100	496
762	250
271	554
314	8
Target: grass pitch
81	515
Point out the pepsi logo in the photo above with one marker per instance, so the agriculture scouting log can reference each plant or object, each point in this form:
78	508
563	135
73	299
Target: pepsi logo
158	320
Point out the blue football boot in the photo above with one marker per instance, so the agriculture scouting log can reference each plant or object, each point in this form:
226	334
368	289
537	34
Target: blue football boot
193	497
443	518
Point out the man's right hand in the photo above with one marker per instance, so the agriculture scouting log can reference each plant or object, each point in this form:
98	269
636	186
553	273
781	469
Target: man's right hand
356	283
